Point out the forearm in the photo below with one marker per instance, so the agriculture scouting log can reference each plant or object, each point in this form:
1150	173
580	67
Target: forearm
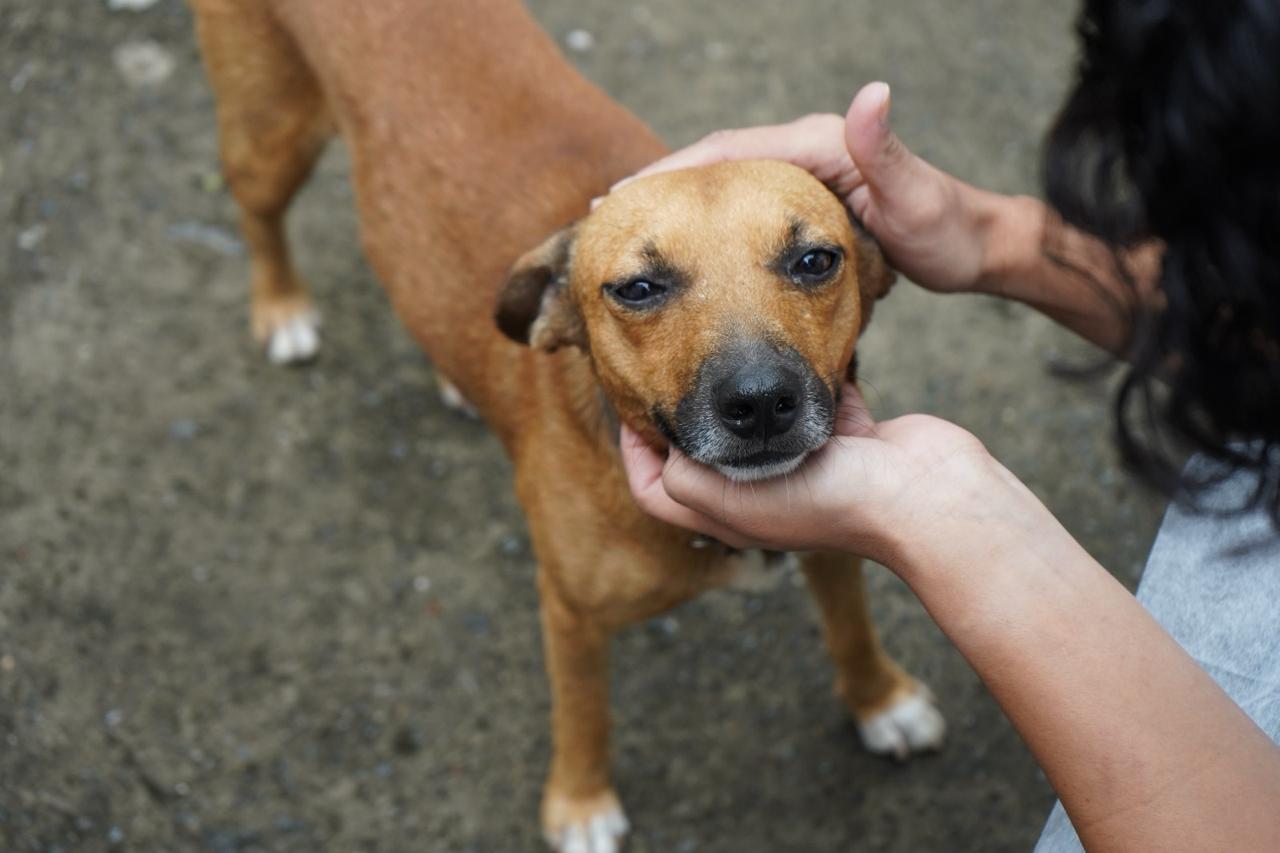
1144	749
1031	257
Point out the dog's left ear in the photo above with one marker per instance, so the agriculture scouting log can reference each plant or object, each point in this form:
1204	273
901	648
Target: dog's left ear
875	276
535	306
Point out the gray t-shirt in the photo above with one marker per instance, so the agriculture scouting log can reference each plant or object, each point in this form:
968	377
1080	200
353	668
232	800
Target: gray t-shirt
1213	582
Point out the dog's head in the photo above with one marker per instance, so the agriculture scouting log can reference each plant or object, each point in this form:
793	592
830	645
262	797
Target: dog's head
719	306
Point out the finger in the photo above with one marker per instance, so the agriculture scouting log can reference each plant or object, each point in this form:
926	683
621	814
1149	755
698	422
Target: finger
710	149
645	467
642	462
885	162
707	494
810	142
859	201
703	490
716	147
853	418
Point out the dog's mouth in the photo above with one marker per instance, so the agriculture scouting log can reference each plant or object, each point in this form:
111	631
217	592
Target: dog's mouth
762	465
755	411
744	465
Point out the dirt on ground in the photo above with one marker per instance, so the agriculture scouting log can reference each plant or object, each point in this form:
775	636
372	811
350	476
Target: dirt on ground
248	608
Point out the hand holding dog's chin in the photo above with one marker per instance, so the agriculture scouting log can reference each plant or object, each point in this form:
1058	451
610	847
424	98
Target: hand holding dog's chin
901	492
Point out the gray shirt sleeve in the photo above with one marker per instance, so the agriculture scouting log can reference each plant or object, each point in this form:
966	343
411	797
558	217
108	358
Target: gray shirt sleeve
1213	582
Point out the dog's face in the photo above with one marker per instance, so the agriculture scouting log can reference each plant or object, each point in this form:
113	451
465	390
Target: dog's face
720	307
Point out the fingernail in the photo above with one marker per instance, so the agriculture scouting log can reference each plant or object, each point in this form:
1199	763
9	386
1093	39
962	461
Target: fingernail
886	100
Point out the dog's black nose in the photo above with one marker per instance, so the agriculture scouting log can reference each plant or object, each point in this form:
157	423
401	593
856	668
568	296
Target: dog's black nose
759	400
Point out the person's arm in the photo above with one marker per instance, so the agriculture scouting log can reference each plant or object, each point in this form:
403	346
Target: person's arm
1032	256
1146	752
940	232
1143	748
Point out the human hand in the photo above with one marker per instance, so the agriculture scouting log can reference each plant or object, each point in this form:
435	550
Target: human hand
870	490
933	228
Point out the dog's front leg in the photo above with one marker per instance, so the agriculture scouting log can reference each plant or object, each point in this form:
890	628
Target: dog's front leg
580	811
895	713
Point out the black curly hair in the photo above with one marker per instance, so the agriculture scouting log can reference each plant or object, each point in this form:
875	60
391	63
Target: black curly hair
1172	134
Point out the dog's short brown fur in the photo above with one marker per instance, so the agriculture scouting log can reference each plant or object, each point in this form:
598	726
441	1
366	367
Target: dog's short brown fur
472	140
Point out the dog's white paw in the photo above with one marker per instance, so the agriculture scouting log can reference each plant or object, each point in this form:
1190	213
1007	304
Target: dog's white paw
602	833
912	724
295	340
594	826
453	399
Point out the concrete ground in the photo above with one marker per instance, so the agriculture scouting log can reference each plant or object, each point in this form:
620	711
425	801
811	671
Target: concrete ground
244	608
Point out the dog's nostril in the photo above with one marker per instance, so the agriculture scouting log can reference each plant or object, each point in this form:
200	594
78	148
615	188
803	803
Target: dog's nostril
739	412
785	405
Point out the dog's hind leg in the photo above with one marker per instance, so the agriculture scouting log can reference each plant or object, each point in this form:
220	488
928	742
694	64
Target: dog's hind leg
894	712
580	810
272	126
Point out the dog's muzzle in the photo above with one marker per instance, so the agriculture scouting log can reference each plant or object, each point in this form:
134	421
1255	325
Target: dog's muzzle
755	411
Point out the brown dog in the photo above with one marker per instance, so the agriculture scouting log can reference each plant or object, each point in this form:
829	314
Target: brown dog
714	308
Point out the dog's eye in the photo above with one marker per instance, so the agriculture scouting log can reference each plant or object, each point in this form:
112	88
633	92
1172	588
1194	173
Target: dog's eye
814	265
637	292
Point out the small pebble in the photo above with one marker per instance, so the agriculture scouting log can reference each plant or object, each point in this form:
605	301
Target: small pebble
580	41
467	681
209	236
143	63
421	583
19	81
113	718
212	182
183	429
130	5
7	663
31	237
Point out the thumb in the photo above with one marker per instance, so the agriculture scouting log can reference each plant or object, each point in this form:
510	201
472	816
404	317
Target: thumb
885	163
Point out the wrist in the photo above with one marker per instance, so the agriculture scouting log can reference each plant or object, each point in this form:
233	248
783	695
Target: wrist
1011	233
971	526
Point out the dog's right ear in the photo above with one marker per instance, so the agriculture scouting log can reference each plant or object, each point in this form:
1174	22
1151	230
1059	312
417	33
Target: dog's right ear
535	306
